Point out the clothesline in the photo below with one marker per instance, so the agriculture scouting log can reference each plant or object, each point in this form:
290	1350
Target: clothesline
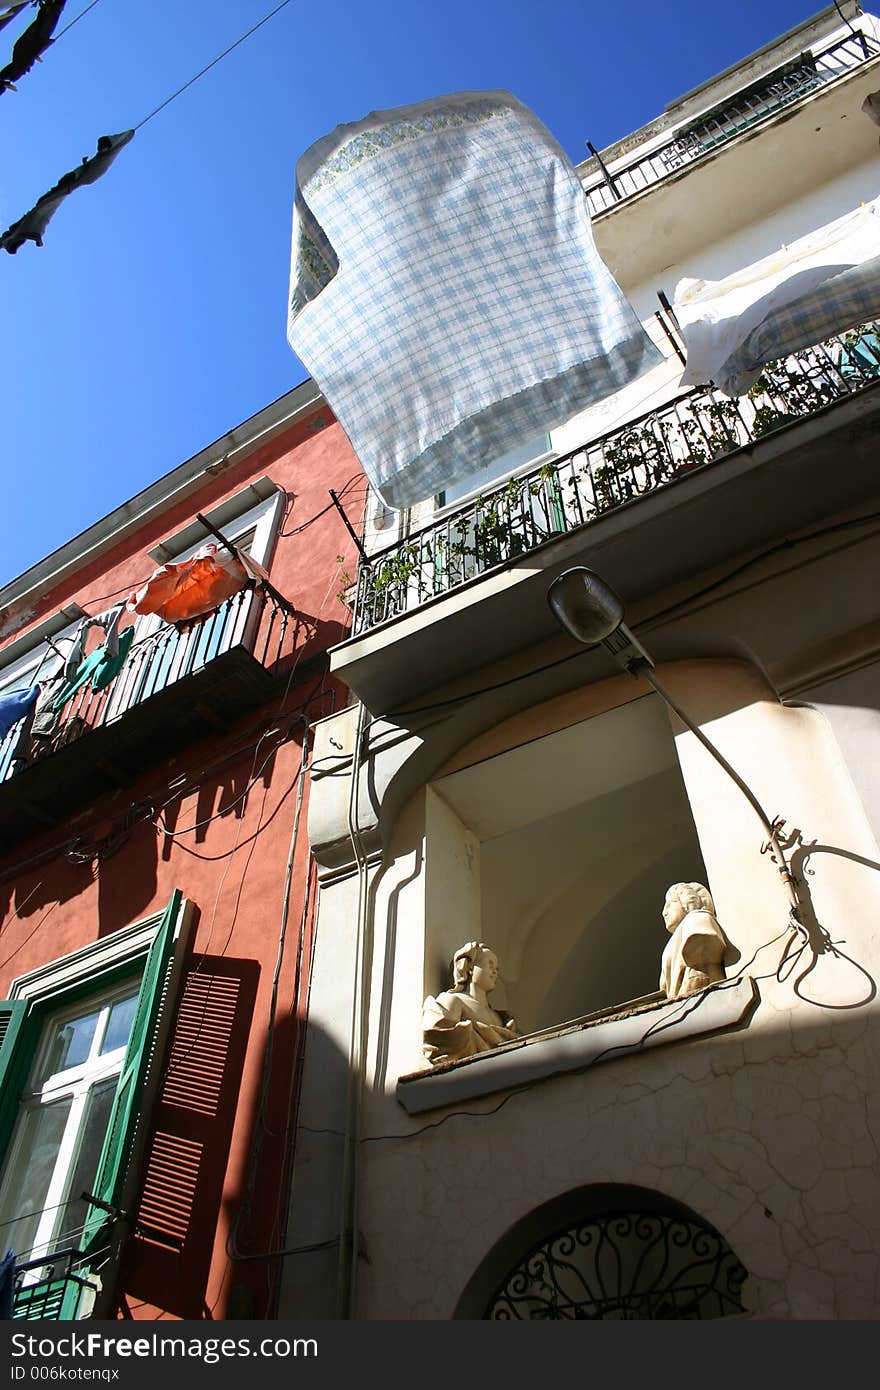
32	225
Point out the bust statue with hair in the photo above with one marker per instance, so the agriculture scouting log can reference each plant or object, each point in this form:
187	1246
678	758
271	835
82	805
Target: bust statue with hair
694	954
460	1022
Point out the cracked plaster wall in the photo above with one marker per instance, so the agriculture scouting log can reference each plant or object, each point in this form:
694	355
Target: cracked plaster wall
769	1134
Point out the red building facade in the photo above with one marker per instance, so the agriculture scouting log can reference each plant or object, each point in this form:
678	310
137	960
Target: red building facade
156	891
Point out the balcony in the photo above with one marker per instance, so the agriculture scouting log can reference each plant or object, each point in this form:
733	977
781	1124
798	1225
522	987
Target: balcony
51	1292
692	431
742	112
702	476
179	683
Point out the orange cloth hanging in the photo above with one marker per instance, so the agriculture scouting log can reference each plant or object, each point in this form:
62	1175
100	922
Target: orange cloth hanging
195	586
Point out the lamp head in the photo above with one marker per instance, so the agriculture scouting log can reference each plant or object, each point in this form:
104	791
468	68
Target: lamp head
583	604
591	612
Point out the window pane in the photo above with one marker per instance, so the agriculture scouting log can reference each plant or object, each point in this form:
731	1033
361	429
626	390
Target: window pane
28	1174
69	1044
85	1168
482	477
119	1024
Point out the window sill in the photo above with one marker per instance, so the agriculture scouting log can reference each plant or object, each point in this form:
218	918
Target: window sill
575	1046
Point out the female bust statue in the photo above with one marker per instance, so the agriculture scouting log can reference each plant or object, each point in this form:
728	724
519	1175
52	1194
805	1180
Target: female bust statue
694	954
460	1021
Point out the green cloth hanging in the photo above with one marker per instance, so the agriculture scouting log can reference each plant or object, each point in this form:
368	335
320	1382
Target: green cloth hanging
101	668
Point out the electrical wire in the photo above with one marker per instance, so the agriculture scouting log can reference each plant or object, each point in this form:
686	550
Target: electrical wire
626	1049
187	788
213	63
94	600
331	506
246	1204
396	715
32	933
75	20
175	1064
347	1271
845	20
18	911
786	544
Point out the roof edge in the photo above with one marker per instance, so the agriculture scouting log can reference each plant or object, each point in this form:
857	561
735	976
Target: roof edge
187	477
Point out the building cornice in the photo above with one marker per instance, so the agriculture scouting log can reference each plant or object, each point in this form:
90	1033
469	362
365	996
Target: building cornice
185	479
717	89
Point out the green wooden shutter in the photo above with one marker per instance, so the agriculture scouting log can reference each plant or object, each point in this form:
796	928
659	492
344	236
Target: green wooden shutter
124	1116
15	1053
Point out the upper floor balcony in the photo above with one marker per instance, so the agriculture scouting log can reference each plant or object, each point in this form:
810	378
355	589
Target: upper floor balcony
701	476
760	101
179	682
767	143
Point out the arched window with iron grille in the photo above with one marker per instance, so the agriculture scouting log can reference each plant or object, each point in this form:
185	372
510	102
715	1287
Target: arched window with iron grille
608	1252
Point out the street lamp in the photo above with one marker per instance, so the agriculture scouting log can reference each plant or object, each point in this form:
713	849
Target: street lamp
591	612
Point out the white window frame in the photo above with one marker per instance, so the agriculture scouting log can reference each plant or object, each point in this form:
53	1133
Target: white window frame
37	662
27	653
50	983
76	1084
264	519
516	471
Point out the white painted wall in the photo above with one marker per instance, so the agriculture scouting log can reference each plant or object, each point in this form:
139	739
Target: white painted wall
762	237
851	704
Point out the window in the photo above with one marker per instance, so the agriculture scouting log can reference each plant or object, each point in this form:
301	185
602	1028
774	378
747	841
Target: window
62	1121
37	658
162	653
81	1044
530	451
608	1252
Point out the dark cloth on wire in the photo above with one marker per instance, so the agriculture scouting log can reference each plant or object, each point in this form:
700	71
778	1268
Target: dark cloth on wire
14	705
32	43
33	225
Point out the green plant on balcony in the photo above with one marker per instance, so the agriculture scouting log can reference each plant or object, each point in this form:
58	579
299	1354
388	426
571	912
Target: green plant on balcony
708	433
721	421
604	480
397	570
489	536
545	488
774	384
787	390
634	462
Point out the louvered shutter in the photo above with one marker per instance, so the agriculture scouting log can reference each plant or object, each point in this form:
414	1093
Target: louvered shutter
140	1052
15	1051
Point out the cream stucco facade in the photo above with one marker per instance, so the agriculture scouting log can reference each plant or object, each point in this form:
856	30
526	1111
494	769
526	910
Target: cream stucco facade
497	783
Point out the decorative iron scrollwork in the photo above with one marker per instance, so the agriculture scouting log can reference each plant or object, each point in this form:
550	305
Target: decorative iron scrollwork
625	1265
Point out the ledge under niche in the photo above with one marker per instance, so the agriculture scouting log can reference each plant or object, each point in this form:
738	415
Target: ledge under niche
653	1021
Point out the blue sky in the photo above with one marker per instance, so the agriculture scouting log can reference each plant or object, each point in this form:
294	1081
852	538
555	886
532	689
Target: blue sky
153	318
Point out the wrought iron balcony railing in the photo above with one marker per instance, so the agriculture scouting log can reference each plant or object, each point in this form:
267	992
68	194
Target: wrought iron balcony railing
691	431
773	92
258	620
51	1288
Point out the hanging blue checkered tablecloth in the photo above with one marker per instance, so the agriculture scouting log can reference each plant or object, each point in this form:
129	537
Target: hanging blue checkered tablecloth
446	294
